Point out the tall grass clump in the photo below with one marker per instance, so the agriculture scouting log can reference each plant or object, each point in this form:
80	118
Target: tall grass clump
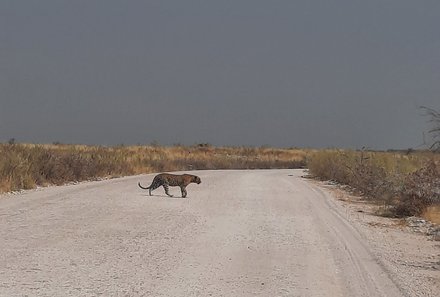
25	166
406	183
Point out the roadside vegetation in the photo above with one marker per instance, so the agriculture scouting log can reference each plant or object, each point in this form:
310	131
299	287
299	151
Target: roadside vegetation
403	184
26	166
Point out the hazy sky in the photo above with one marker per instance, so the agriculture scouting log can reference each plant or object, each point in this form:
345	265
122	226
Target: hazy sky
286	73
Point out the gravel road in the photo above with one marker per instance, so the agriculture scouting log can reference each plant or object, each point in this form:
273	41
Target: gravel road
239	233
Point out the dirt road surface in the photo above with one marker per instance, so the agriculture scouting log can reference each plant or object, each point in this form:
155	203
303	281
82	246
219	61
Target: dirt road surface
239	233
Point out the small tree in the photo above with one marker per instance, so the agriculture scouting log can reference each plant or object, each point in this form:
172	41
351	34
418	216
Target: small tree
434	116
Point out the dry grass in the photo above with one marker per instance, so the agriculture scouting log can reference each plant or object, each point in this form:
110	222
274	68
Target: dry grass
25	166
405	184
432	214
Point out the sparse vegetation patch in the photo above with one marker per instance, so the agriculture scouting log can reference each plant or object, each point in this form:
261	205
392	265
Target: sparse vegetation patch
405	184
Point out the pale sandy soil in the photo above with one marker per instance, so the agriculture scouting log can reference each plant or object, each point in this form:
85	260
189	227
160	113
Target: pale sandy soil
239	233
410	255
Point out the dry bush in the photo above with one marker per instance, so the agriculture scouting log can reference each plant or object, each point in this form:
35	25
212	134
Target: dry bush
330	165
420	190
405	184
